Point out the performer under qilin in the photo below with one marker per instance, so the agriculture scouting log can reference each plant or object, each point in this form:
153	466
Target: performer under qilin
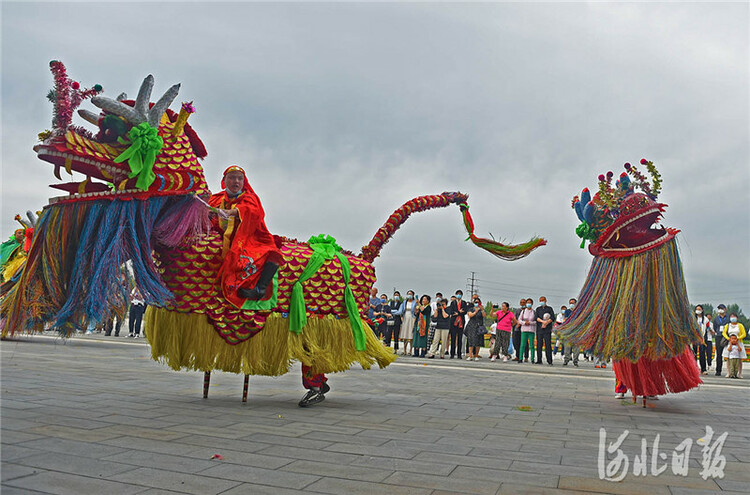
633	307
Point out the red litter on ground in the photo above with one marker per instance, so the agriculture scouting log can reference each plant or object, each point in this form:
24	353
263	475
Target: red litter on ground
217	456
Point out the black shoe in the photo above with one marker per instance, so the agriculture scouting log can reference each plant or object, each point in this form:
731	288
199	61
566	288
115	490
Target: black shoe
257	292
718	373
313	396
325	388
550	364
565	363
575	363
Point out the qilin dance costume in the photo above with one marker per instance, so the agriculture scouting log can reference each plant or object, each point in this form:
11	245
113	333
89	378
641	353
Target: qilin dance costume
633	307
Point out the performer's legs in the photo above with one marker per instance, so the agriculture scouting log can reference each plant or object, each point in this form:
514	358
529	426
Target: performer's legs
316	386
620	389
709	353
266	276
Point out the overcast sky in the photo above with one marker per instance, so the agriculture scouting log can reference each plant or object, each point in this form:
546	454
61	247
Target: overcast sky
342	112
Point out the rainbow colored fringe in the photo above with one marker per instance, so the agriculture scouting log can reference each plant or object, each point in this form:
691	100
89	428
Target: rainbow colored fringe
634	307
189	341
74	271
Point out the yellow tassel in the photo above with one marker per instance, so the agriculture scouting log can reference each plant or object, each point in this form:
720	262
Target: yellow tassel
188	341
13	265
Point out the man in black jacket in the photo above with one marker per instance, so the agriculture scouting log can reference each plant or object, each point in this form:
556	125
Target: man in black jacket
545	319
719	322
457	311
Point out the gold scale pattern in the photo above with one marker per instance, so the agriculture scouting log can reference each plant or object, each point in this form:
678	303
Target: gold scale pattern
191	274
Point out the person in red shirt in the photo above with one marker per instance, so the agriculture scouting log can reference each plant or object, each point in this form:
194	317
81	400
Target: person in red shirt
251	255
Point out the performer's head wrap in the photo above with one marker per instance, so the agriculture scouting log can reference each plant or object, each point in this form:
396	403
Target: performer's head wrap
237	168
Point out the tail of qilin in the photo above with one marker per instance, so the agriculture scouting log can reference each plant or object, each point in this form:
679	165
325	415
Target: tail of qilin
424	203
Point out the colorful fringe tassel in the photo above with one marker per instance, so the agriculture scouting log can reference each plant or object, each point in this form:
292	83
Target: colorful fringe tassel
188	341
502	251
73	275
634	307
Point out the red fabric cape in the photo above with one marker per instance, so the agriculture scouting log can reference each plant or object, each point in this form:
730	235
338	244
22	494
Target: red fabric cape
248	243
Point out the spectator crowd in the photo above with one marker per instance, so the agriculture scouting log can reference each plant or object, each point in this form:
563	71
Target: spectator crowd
457	328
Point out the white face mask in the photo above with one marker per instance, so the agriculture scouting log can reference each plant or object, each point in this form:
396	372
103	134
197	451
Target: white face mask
698	312
721	312
733	319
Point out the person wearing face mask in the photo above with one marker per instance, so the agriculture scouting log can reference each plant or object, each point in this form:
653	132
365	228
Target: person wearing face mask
407	323
475	330
396	306
442	329
706	349
433	322
527	318
544	321
718	324
734	327
382	313
457	311
424	312
374	301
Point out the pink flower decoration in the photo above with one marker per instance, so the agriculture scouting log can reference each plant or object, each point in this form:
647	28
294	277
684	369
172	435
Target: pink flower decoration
644	161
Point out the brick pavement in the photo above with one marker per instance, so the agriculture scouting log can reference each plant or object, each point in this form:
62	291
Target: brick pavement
96	415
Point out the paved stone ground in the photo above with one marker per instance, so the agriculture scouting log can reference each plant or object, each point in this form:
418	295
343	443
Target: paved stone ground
96	415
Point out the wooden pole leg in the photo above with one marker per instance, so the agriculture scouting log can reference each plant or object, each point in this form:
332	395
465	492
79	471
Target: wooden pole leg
206	383
244	389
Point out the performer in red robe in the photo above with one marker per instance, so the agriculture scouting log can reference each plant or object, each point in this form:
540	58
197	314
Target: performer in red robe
251	256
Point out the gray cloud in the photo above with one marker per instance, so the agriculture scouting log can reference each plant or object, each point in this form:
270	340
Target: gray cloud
341	113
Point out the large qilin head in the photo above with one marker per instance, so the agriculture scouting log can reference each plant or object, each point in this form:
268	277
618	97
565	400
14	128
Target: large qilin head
136	149
619	220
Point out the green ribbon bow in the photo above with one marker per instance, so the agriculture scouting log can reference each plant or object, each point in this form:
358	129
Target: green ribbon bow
325	248
141	155
584	231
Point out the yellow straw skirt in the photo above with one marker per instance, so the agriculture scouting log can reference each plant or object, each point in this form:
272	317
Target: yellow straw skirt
188	341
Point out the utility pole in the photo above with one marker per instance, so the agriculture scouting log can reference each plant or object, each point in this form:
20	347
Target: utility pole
472	285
